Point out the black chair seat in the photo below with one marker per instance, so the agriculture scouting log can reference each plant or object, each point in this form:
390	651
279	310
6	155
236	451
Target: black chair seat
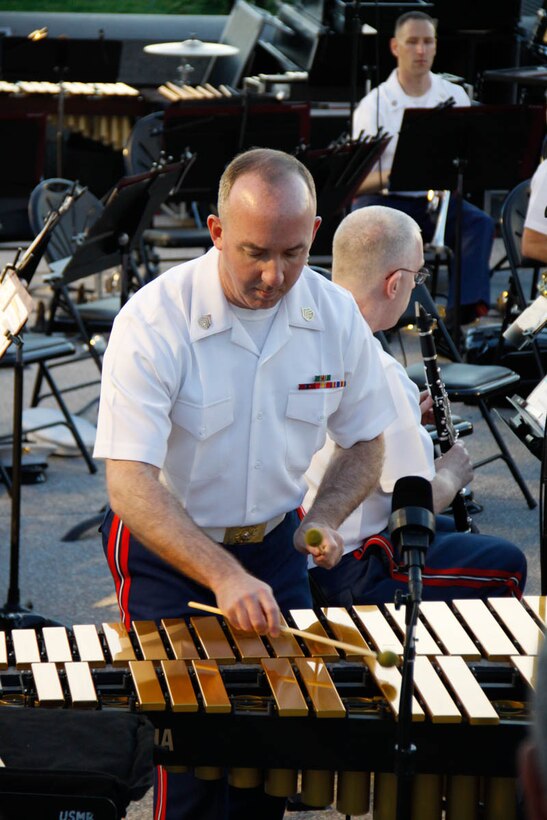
463	380
41	349
100	310
38	347
178	237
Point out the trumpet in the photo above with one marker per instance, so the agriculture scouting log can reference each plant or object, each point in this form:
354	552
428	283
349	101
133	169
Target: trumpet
438	202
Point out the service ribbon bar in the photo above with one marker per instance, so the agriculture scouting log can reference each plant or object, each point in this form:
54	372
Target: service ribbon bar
322	382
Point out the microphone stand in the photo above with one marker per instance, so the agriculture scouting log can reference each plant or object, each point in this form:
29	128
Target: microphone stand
405	750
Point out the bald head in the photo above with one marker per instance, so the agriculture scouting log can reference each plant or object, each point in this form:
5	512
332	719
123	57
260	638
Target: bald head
276	173
369	245
371	242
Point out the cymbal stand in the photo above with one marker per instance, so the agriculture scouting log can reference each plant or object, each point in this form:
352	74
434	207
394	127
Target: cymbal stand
61	71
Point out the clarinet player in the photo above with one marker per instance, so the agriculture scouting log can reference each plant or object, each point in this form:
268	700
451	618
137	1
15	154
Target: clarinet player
378	257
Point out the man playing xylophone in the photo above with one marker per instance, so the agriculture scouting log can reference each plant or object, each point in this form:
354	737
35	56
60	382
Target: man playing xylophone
221	379
378	257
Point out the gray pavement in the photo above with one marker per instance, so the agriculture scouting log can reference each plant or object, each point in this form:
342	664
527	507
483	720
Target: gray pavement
69	581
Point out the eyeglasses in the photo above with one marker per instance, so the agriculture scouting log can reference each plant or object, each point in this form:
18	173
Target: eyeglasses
420	276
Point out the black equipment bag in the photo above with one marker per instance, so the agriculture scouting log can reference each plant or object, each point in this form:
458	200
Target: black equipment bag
482	345
64	764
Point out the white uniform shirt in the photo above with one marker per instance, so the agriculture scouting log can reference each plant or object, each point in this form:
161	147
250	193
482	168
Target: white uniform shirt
185	389
408	451
385	105
535	215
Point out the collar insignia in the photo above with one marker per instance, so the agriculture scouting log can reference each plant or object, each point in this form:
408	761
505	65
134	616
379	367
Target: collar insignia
205	321
307	313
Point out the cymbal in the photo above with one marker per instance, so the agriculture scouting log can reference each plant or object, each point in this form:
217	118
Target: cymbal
191	48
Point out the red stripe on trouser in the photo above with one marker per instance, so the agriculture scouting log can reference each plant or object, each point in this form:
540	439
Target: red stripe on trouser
160	807
456	576
118	561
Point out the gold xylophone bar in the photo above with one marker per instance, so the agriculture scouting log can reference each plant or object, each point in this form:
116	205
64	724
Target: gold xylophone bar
504	628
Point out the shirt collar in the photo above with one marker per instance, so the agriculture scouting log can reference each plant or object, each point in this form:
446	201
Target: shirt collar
210	312
395	94
302	310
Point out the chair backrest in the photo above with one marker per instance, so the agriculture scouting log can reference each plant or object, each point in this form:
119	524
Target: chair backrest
513	214
70	230
145	144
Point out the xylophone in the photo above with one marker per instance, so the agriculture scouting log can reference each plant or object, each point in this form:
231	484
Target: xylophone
103	112
176	93
268	708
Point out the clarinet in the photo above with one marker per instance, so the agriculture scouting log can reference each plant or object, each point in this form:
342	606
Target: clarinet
441	408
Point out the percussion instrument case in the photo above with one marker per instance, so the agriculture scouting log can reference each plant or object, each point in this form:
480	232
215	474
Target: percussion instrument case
73	764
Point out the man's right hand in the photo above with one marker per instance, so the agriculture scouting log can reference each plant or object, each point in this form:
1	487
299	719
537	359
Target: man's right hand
249	604
458	463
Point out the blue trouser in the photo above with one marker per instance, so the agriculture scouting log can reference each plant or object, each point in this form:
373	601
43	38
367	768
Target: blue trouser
476	247
149	589
457	565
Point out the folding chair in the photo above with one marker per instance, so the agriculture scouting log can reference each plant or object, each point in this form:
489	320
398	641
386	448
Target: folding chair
39	349
474	383
65	312
513	214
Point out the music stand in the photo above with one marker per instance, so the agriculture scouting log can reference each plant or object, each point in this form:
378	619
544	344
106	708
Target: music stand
117	232
15	308
217	132
338	172
466	150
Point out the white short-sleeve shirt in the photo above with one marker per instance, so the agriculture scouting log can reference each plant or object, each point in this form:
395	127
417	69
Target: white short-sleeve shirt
232	429
537	205
408	451
385	105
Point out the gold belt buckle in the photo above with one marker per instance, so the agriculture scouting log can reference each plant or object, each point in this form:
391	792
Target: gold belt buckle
252	534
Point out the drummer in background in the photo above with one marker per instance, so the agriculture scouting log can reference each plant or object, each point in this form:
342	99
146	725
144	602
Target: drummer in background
220	380
413	85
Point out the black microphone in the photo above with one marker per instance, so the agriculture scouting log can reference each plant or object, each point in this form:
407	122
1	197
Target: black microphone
412	526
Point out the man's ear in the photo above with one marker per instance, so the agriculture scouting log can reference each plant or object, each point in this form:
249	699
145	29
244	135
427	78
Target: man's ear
316	225
535	797
391	285
215	229
394	47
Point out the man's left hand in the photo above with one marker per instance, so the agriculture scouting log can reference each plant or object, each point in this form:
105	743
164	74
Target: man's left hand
426	408
326	554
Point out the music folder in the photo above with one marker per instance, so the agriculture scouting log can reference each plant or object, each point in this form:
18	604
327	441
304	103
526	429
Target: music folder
529	422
